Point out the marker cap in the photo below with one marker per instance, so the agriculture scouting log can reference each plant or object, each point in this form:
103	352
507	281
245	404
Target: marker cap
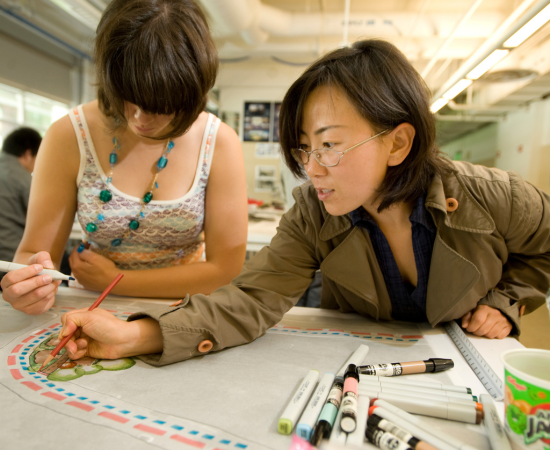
285	426
438	364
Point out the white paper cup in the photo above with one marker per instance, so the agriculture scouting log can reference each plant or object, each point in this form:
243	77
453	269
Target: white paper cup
527	398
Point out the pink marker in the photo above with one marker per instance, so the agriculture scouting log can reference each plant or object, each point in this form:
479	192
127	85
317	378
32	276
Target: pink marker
349	400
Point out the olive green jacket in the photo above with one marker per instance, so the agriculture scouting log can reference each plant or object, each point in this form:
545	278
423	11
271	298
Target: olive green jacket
494	249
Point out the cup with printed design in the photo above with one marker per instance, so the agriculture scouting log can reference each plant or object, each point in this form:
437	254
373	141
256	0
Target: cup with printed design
527	398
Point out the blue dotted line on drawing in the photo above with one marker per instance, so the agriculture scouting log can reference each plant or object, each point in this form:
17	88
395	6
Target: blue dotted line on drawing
42	379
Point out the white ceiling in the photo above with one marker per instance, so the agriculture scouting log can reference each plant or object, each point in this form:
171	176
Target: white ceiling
259	34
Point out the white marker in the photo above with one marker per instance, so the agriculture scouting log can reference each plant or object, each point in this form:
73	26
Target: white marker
493	425
309	417
56	276
356	358
419	433
422	425
440	409
357	437
338	436
419	389
378	392
297	403
409	382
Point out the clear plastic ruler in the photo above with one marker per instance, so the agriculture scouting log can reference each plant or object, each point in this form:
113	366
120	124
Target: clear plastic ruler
484	372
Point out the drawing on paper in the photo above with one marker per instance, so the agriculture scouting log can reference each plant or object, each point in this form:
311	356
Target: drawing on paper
63	369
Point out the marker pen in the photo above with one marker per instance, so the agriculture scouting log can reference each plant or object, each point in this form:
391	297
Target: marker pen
349	400
414	429
433	408
357	357
328	414
493	425
377	422
420	424
338	436
377	391
409	382
385	441
420	389
406	368
297	403
6	266
306	423
357	436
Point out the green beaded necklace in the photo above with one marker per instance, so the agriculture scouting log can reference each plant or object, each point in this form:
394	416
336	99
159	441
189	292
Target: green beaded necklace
106	195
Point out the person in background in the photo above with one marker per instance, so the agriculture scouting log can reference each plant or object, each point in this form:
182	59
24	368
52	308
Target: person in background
17	160
398	231
157	183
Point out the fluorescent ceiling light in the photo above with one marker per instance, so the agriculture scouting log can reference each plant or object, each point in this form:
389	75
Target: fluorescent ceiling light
486	64
438	104
529	28
457	89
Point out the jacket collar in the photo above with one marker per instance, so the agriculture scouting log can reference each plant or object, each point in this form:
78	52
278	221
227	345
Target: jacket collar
469	216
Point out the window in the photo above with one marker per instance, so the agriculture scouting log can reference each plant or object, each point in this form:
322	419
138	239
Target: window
20	108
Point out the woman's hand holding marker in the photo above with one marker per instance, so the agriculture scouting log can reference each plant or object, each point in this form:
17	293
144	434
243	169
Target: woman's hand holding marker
26	291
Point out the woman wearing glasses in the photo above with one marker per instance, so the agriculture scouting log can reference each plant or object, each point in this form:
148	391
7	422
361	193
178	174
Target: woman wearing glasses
399	232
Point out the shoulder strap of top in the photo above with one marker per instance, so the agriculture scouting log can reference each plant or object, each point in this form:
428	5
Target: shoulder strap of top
80	127
208	145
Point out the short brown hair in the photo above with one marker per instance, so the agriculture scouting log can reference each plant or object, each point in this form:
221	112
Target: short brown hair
158	55
387	91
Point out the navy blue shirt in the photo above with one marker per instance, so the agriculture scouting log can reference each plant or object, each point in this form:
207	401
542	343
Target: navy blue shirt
408	302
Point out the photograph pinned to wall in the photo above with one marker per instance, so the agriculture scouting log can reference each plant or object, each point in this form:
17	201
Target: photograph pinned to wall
231	118
275	131
265	179
267	150
257	120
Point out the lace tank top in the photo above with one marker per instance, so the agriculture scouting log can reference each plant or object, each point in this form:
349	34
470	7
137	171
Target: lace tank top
170	231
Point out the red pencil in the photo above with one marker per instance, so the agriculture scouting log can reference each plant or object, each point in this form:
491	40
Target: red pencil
66	339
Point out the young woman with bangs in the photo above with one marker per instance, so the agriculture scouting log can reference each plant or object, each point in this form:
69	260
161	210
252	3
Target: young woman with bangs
399	232
154	180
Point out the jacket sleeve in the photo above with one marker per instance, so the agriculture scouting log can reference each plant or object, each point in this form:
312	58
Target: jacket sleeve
526	274
268	286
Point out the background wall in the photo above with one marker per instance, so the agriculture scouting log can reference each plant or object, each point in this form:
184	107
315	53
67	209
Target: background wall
521	143
259	81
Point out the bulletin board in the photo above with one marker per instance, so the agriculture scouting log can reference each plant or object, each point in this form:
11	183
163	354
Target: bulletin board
230	399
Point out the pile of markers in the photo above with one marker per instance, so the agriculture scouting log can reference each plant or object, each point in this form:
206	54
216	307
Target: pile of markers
346	408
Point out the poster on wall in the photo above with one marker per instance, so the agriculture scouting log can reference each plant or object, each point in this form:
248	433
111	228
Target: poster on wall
267	150
257	120
275	131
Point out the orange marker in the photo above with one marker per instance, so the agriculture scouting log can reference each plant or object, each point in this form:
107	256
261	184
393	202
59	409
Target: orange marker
66	339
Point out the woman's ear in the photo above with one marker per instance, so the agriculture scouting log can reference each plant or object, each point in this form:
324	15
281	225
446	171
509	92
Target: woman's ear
401	143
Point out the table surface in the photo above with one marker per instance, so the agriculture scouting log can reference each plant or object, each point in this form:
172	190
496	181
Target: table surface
229	399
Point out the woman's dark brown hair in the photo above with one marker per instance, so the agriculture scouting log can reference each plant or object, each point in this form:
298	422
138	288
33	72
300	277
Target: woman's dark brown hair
387	91
158	55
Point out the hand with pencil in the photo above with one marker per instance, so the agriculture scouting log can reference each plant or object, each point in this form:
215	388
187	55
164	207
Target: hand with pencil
99	334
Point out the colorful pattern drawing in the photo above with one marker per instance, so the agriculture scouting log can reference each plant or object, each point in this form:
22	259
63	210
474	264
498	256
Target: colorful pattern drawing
170	232
189	404
71	370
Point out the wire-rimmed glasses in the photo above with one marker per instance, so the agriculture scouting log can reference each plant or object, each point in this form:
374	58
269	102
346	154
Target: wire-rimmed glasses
327	157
